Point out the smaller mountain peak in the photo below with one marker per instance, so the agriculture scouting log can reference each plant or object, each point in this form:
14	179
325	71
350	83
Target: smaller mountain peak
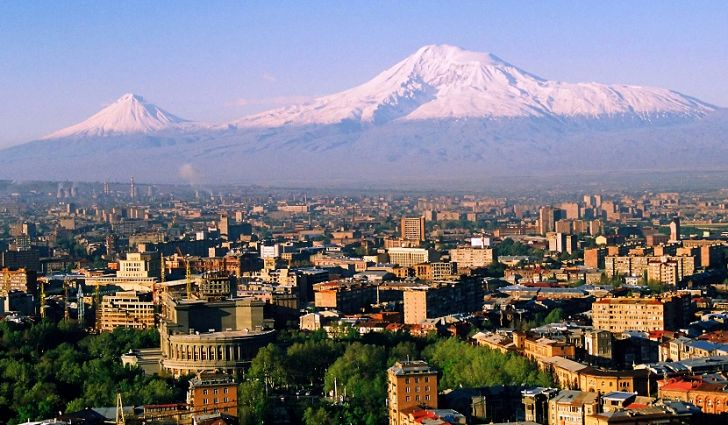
128	97
129	114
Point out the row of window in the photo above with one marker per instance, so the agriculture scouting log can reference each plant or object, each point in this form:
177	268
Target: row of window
214	391
417	398
214	401
416	379
417	389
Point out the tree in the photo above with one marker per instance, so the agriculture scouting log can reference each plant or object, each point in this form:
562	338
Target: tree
556	315
465	365
269	367
253	403
360	374
307	361
319	416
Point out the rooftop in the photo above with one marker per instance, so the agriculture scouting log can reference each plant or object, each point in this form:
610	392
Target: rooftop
412	367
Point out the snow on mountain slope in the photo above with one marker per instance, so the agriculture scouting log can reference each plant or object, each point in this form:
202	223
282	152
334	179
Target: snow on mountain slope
447	82
130	114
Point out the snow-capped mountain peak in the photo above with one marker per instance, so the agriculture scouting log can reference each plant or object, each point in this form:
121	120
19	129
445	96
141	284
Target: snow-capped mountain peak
448	82
129	114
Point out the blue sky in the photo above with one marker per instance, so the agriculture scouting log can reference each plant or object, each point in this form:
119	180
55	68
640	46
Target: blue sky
61	61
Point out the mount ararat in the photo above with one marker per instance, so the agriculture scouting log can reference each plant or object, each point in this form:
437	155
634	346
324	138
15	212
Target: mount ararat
441	115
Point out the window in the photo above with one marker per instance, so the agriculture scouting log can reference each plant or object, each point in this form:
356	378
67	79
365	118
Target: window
204	391
407	398
427	397
204	401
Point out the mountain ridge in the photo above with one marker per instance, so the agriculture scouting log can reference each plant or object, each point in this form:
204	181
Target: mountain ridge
129	114
441	114
442	81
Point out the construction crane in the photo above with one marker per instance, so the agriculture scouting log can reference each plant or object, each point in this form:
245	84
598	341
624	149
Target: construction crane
97	307
120	420
188	278
42	299
66	307
163	270
81	306
188	273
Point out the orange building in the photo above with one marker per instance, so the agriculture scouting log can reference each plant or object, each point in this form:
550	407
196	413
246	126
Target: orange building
211	392
410	384
710	397
542	348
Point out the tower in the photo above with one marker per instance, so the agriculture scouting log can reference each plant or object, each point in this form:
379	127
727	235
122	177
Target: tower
412	229
546	220
675	229
410	384
107	190
81	306
132	189
224	226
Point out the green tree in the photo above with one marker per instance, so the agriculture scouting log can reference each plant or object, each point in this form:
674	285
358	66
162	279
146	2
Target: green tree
253	405
556	315
319	416
269	367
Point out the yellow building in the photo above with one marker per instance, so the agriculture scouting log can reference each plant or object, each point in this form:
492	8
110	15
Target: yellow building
126	310
472	257
409	257
644	314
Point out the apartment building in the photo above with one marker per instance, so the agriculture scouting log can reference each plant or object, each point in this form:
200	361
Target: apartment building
410	384
126	310
644	314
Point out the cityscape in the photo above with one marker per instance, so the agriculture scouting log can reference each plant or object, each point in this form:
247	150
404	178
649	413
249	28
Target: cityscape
366	223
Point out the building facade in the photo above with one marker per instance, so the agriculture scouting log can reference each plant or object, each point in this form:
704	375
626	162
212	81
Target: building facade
410	384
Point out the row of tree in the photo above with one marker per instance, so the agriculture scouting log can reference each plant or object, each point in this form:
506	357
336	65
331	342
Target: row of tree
354	370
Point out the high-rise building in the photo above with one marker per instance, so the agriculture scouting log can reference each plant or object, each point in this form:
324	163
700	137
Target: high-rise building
410	384
412	228
546	220
594	257
132	189
571	210
675	229
224	226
